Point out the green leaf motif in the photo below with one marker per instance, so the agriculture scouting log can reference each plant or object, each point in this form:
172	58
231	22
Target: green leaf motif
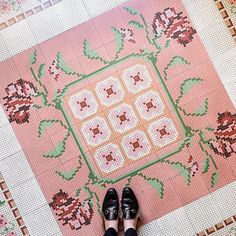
33	57
186	86
158	185
67	175
183	171
214	179
131	10
43	125
167	44
136	24
206	165
90	53
62	65
47	123
57	151
37	107
175	61
119	40
201	111
41	70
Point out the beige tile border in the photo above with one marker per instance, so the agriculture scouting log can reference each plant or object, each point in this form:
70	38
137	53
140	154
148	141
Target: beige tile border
28	13
12	205
213	229
229	23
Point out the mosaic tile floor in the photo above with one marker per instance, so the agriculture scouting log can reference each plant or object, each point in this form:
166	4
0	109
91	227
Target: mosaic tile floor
127	93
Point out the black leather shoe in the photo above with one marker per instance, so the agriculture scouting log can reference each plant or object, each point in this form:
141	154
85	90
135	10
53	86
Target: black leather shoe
110	206
129	204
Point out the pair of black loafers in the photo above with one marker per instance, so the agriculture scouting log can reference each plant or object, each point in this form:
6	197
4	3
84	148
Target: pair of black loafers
129	204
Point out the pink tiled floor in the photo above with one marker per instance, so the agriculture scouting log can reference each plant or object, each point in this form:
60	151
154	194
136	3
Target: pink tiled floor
60	153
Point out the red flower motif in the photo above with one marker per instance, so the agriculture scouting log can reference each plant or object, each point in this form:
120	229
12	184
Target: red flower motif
18	100
54	70
128	34
174	25
225	143
71	211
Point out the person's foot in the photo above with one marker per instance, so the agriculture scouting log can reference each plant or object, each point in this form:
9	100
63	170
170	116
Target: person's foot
110	209
130	207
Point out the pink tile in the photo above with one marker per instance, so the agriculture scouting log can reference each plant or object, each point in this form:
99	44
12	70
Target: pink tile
104	26
170	201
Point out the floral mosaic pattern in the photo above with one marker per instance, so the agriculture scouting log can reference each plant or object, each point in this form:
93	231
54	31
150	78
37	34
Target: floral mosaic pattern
110	91
136	145
163	132
109	158
136	78
123	118
83	104
19	100
143	116
96	131
174	25
149	105
70	211
225	143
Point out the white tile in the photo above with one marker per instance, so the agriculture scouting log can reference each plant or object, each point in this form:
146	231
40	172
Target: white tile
231	90
210	26
42	222
120	1
9	143
203	12
176	222
216	39
18	37
225	199
151	229
45	24
58	234
4	52
97	7
225	65
71	13
3	118
203	213
28	196
16	169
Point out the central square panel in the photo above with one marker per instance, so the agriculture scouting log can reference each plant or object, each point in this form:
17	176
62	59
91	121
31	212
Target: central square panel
122	118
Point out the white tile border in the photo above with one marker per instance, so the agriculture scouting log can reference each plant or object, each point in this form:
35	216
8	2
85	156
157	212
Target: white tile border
217	40
196	216
48	23
23	185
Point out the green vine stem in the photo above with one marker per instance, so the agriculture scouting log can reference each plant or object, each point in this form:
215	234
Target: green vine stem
41	94
203	142
91	197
